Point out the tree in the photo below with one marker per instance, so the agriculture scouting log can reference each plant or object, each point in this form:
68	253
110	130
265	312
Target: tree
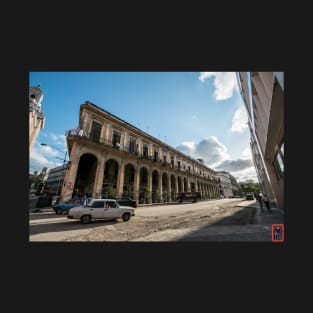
111	191
249	186
34	183
146	193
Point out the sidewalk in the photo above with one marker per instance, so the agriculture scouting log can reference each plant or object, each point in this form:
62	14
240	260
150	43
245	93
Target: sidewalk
275	216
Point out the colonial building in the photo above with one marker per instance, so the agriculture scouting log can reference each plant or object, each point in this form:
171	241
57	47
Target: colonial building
234	185
263	95
110	157
36	115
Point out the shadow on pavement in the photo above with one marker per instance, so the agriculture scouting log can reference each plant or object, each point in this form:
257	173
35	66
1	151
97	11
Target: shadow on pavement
66	225
247	225
46	215
245	216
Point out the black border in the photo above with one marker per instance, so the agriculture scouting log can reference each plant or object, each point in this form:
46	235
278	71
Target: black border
175	259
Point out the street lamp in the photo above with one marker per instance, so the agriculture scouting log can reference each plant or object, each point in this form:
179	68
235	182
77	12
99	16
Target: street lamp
64	160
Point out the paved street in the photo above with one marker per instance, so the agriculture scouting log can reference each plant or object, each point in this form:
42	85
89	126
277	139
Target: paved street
214	220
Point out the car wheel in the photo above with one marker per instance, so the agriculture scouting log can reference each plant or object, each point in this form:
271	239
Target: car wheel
126	217
85	219
59	211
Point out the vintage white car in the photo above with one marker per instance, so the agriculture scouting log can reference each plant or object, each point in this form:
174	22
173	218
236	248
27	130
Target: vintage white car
101	209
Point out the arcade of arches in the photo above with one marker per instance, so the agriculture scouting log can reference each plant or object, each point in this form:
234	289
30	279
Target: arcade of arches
106	174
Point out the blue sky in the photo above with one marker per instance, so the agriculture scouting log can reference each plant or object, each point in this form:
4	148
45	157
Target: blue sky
200	113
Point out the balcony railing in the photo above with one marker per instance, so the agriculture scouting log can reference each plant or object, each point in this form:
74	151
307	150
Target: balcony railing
77	132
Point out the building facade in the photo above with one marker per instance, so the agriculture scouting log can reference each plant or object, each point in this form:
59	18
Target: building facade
55	180
36	115
225	186
234	185
263	95
110	157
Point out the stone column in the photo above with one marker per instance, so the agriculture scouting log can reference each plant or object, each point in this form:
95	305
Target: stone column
69	180
202	190
120	179
102	134
97	189
108	135
188	184
160	186
176	185
136	184
169	187
150	185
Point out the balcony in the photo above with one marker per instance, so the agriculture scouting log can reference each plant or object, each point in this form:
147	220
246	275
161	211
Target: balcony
80	135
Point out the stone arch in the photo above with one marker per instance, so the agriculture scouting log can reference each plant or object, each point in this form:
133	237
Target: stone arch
143	185
180	184
192	186
111	172
173	188
129	180
86	174
155	186
165	186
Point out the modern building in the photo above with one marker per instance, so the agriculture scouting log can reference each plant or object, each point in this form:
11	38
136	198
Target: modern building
36	114
263	95
225	185
55	179
110	157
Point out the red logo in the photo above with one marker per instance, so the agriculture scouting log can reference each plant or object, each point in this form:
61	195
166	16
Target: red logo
278	232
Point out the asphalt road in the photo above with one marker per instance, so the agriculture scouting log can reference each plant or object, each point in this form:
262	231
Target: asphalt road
169	220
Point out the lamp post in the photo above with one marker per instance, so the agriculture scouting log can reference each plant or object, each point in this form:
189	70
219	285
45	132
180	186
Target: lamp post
64	160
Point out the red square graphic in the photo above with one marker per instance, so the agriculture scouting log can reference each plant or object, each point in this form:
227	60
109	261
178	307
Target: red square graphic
278	232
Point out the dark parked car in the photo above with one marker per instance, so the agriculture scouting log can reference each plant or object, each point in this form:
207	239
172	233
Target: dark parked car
126	202
249	196
61	208
64	207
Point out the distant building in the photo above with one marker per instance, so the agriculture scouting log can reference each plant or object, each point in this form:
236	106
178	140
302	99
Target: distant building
263	95
110	157
226	188
55	179
36	115
234	185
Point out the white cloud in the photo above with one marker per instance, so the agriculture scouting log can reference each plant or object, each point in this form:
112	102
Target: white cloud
215	156
194	117
48	151
224	82
246	153
246	174
58	140
39	159
240	120
235	165
210	150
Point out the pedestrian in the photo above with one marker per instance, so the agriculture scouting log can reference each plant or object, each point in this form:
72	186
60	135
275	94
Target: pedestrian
259	198
277	233
267	202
